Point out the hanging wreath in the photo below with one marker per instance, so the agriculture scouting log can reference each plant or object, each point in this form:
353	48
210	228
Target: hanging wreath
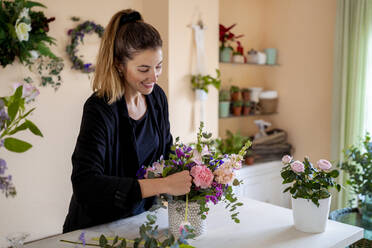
77	35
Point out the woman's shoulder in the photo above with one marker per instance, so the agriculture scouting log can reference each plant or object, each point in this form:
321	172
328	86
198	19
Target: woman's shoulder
99	104
159	93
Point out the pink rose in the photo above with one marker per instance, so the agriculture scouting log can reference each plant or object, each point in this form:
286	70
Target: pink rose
298	166
286	159
324	164
224	175
203	177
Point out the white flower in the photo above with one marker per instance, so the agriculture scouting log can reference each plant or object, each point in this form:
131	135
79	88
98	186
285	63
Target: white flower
24	13
34	54
22	30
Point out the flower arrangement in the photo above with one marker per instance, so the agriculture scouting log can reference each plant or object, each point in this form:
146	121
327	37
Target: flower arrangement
309	182
226	35
77	36
212	172
202	82
358	165
23	35
13	120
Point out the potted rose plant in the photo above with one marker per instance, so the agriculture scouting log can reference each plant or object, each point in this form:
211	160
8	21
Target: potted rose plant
213	179
309	189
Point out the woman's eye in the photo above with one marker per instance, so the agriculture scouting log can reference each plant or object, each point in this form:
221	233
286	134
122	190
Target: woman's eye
143	71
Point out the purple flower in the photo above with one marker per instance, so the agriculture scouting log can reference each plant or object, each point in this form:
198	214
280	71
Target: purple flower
212	198
179	153
86	66
141	172
69	32
3	166
1	141
82	238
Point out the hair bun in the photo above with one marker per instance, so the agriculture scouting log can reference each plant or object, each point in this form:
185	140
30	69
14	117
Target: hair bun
131	17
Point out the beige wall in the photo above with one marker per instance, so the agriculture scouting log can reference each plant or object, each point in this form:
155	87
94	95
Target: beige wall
42	175
303	33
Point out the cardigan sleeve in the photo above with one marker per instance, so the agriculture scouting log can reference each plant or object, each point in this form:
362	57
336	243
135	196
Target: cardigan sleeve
91	187
168	135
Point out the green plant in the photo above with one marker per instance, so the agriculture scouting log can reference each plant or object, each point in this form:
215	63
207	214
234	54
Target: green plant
307	181
234	89
245	90
23	35
150	237
202	82
224	96
232	143
247	104
358	165
238	103
13	120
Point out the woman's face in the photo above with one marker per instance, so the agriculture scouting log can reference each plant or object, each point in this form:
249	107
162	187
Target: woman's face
142	72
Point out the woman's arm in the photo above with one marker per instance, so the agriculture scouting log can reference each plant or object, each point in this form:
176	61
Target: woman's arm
175	184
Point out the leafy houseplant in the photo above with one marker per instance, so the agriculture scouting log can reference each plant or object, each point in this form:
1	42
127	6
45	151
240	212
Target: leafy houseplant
232	144
234	91
200	82
224	103
310	191
213	178
237	108
13	120
246	94
247	108
23	35
358	165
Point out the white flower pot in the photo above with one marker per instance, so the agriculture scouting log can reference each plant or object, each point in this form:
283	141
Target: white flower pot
308	217
201	95
176	216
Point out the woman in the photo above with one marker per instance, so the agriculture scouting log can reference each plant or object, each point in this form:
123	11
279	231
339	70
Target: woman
125	124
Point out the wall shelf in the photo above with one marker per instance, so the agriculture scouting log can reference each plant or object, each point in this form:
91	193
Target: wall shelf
241	116
232	63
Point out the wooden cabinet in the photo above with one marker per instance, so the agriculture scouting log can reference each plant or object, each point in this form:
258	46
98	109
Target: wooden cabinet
263	182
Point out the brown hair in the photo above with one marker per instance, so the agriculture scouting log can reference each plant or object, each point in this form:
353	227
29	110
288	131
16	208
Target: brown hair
125	35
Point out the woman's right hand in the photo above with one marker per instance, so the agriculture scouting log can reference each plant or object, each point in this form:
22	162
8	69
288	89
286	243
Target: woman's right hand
178	183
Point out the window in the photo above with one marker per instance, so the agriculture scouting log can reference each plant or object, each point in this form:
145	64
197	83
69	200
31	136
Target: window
368	109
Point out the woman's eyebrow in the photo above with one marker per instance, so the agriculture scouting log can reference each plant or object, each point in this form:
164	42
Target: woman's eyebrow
147	66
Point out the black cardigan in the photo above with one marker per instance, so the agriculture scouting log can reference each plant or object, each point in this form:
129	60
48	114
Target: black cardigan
105	160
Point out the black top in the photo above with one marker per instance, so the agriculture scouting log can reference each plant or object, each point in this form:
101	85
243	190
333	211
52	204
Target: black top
105	160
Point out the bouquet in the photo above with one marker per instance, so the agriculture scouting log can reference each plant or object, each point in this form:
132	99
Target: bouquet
308	181
212	172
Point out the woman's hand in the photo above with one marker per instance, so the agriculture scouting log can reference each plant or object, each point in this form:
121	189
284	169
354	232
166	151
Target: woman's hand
178	183
175	184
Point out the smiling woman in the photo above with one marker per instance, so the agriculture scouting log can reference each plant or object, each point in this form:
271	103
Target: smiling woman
125	125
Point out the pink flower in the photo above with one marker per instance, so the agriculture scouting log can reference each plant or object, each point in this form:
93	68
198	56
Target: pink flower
203	176
29	92
182	226
196	157
324	164
286	159
224	175
298	166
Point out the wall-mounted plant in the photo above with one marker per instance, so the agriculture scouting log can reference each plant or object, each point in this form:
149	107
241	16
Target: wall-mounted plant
201	82
13	119
23	35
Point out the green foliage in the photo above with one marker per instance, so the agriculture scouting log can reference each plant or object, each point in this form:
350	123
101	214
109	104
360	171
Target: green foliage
234	89
38	42
202	82
312	184
224	96
232	144
358	165
238	103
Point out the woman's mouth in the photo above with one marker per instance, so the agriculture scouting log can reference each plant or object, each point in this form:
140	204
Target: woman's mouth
148	85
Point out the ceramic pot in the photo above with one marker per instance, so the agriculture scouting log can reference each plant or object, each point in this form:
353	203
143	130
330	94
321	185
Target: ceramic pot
201	95
176	216
224	109
308	217
225	54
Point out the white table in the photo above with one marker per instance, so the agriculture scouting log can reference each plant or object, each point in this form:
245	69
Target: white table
262	225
